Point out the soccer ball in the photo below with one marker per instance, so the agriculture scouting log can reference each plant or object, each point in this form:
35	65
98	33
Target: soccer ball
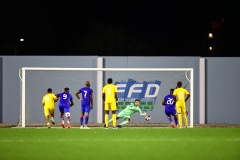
148	118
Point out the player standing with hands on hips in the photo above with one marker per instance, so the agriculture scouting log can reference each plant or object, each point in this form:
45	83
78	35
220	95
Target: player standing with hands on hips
86	104
182	96
110	99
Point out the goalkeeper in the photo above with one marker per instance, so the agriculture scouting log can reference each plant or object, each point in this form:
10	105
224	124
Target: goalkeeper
128	111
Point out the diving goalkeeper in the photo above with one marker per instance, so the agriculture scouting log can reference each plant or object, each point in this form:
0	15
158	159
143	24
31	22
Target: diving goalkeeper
127	112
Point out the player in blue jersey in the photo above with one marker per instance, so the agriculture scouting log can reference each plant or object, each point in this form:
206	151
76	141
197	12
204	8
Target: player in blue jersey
169	102
86	104
65	102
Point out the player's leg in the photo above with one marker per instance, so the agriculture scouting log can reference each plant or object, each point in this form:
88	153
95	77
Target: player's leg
126	121
68	116
114	116
52	115
106	107
170	120
169	117
112	119
87	111
46	114
82	116
175	115
179	112
176	120
81	119
61	109
185	115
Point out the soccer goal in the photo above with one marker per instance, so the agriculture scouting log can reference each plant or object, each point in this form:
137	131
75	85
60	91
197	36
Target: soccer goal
150	85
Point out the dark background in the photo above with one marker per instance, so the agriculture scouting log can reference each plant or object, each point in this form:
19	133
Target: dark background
120	28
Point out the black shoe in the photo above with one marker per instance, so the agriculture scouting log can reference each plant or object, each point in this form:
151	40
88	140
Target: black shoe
104	126
53	122
119	126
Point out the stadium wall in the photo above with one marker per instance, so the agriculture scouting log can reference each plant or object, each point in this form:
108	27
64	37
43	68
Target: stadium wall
222	81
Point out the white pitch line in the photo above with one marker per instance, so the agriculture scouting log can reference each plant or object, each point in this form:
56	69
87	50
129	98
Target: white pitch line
121	140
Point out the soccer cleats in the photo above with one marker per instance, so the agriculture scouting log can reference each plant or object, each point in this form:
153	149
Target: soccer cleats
68	125
86	127
48	125
119	126
53	122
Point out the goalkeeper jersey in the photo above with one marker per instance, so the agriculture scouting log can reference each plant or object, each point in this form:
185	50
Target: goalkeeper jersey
131	109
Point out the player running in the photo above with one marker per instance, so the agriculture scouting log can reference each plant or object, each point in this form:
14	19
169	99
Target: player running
49	107
169	103
66	101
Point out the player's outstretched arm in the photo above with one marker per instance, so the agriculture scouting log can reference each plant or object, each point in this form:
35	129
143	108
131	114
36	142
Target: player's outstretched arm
143	113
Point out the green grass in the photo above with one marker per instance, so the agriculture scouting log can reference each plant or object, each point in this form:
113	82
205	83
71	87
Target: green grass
124	144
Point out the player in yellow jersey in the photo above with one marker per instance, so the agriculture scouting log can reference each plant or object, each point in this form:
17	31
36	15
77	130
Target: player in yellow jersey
110	99
48	105
182	96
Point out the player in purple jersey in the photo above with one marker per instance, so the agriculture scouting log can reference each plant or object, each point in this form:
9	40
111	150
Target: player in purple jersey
65	102
169	102
86	104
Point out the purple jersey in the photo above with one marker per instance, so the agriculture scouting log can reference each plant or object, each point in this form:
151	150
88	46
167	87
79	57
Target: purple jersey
65	98
170	104
86	92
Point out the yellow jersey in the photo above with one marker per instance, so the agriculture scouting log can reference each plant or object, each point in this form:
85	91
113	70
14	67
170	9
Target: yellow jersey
48	100
109	91
180	94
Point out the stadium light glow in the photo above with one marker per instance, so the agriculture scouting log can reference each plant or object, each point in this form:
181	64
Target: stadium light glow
210	35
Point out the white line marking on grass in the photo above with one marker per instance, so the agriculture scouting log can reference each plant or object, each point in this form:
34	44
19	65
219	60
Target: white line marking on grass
121	140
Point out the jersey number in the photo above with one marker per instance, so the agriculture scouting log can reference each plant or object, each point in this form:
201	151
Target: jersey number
170	101
64	96
85	94
109	91
180	95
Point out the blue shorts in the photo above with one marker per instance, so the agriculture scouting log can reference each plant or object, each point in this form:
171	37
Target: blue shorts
170	111
64	109
85	108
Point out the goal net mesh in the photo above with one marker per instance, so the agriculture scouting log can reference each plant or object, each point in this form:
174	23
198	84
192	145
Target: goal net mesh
149	86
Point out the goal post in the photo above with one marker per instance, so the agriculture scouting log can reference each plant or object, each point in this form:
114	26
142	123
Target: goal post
148	84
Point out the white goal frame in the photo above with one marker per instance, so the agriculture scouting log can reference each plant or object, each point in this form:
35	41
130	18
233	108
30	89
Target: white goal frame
99	85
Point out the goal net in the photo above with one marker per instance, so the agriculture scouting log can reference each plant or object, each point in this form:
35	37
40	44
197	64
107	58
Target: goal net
150	85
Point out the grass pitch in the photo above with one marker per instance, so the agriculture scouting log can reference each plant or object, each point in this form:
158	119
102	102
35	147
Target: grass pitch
125	143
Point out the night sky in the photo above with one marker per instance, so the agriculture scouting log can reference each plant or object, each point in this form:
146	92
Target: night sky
120	28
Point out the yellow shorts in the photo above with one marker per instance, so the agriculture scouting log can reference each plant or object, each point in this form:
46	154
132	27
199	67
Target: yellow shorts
48	111
110	106
181	107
